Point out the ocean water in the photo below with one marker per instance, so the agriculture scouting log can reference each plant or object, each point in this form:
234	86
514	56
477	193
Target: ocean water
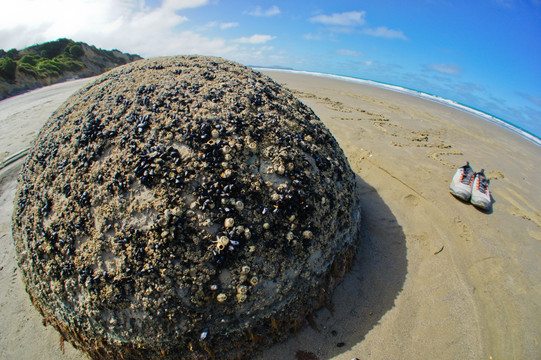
483	115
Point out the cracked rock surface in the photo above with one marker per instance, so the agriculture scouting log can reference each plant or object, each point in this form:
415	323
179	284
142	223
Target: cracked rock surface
185	207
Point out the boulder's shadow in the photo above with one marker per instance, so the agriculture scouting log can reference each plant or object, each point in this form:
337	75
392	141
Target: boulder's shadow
367	293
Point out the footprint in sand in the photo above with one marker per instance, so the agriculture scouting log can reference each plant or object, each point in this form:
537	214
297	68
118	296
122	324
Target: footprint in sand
522	208
464	230
336	105
532	217
13	279
385	126
302	94
422	240
438	154
494	175
425	138
412	200
331	104
344	118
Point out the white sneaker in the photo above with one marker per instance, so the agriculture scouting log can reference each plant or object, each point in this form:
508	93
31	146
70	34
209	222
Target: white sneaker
480	196
461	185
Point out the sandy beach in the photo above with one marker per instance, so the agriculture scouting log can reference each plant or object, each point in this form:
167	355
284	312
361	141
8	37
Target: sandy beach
434	277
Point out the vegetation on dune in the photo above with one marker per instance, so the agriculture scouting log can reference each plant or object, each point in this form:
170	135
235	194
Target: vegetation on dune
43	68
54	61
46	60
76	51
7	68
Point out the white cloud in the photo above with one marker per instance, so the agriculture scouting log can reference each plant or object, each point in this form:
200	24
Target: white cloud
228	25
384	32
351	18
220	25
127	25
255	39
183	4
46	21
348	52
447	69
273	10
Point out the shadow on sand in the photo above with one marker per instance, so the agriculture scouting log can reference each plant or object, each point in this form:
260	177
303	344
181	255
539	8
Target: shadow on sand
367	293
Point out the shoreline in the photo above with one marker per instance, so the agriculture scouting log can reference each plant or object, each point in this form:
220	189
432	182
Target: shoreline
433	275
423	95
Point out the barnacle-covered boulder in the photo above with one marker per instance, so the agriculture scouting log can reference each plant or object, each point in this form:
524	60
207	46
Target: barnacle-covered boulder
183	207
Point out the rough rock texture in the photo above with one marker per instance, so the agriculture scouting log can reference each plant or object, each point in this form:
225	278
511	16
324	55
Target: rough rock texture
185	207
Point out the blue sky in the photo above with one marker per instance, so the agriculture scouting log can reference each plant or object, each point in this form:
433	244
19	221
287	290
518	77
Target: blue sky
484	53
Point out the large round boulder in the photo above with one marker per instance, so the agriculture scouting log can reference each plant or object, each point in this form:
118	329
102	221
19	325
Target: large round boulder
183	207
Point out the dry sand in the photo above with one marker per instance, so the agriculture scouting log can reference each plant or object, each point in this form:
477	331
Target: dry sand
434	278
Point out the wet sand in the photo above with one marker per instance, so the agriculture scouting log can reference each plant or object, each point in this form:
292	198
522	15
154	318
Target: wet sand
434	277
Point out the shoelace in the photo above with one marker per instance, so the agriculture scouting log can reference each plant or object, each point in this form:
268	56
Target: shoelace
482	184
467	176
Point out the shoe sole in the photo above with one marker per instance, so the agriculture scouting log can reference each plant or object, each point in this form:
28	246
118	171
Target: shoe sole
461	195
481	205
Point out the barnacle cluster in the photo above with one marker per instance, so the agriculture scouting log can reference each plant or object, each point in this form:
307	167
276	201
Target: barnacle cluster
184	207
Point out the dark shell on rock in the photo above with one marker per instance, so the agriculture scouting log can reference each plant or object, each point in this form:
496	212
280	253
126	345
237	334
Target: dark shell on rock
183	207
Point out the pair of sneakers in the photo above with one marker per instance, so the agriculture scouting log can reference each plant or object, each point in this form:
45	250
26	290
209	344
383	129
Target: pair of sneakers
471	186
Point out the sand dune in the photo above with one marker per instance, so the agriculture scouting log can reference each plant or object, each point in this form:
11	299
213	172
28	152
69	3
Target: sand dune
434	278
